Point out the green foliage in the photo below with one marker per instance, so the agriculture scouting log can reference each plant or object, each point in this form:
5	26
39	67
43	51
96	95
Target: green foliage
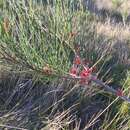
37	36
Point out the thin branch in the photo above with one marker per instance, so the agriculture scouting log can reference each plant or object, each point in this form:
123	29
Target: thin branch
12	127
101	84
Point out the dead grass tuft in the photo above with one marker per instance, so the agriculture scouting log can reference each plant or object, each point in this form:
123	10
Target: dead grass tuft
117	5
112	31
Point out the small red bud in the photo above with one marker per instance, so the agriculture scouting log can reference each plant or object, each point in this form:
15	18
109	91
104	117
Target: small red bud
119	92
73	71
84	74
77	60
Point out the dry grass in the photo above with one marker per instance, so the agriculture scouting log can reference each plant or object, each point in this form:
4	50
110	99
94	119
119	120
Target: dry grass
118	5
53	106
118	31
118	34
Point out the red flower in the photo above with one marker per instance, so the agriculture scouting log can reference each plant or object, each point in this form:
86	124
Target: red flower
84	73
89	70
119	92
73	71
77	60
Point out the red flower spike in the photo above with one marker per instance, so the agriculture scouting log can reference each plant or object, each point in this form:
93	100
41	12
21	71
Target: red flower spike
73	71
84	74
77	60
119	93
90	70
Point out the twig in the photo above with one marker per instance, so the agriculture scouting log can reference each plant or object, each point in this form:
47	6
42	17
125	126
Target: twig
102	84
110	89
12	127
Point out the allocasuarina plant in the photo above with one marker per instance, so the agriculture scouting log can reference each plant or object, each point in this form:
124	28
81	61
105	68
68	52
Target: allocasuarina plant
81	71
